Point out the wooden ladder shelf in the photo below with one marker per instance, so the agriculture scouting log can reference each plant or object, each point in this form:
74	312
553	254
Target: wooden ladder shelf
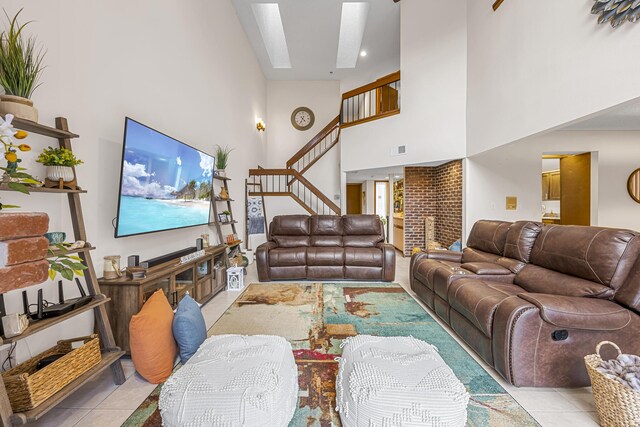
111	354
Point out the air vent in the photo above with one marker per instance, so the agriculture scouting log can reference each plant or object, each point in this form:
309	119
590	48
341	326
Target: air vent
399	150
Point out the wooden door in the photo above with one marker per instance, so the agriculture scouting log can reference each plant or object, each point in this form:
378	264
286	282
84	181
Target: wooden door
387	99
575	187
354	199
545	186
555	186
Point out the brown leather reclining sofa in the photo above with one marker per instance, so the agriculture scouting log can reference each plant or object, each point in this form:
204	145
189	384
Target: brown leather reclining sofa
532	300
349	247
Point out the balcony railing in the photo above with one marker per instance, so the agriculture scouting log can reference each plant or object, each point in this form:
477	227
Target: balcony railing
372	101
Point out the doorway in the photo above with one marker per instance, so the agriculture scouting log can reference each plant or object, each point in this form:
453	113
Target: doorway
354	199
381	202
566	189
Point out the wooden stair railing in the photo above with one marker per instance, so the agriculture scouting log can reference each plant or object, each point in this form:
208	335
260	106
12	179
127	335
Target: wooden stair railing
320	144
276	182
372	101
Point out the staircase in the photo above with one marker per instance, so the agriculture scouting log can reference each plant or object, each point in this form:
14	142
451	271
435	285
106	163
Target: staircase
370	102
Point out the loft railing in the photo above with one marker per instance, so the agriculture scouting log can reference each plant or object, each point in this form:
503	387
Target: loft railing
320	144
372	101
290	182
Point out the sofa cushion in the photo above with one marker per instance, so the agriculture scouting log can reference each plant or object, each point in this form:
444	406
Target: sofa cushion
520	240
591	253
485	268
362	225
425	270
189	327
291	241
489	236
545	281
363	257
477	300
326	225
326	241
475	255
287	257
322	256
290	225
369	241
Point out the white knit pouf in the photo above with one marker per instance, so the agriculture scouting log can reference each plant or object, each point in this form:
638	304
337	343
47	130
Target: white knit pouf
233	381
397	381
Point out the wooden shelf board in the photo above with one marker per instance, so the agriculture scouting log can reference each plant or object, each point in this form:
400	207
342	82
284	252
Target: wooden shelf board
221	178
72	251
41	129
225	223
233	244
5	187
108	358
225	200
40	325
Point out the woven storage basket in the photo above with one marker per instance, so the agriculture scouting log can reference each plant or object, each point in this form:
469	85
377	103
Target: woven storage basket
28	388
617	405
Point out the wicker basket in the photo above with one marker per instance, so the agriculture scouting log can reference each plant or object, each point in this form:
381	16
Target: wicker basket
617	405
28	388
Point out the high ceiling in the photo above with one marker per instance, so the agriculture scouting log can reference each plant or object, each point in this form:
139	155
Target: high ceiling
625	117
312	32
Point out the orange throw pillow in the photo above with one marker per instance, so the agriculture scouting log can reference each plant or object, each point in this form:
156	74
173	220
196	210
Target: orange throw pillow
153	349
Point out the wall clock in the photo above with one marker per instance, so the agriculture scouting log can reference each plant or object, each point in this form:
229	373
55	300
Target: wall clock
633	185
302	118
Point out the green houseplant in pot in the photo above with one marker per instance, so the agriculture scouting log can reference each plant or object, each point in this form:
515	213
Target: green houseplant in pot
59	163
222	159
20	69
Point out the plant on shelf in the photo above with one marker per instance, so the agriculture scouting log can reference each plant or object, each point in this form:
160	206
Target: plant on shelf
59	163
20	70
222	159
14	176
67	265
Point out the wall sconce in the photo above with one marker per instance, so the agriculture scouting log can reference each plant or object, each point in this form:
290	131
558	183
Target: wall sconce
260	125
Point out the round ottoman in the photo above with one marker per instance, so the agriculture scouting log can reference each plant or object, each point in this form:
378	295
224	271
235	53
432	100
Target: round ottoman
397	381
233	380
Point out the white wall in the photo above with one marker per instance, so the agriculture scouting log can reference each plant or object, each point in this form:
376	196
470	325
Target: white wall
535	65
186	71
283	140
514	170
433	94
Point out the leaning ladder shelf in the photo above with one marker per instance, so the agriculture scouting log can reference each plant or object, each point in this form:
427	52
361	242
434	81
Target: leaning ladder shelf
230	221
110	353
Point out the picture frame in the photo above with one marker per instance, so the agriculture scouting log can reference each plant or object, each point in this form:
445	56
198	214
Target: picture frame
223	217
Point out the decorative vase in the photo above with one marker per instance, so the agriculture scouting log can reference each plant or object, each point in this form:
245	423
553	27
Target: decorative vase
18	106
54	173
222	173
224	195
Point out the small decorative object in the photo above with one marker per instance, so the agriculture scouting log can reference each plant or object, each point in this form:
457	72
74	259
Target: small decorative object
76	245
192	256
633	185
235	279
222	159
59	163
222	217
205	240
14	324
135	273
14	176
260	125
56	237
111	269
133	260
302	118
616	11
224	194
20	69
67	265
511	203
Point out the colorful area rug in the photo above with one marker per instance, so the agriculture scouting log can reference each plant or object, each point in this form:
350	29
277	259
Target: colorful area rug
315	317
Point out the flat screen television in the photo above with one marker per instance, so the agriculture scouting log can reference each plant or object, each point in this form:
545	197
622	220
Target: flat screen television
164	183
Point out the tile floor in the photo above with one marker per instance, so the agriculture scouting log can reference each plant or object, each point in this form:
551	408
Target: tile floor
103	404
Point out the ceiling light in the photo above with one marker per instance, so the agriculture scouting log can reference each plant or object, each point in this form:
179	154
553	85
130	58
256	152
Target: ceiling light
352	25
363	53
270	24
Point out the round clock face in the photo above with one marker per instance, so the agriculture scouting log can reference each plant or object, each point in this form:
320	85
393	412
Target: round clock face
302	118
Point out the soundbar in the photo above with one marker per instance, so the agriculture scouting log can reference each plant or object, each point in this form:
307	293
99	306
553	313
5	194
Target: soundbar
169	257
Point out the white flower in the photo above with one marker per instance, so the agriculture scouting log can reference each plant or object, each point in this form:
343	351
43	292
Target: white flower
6	129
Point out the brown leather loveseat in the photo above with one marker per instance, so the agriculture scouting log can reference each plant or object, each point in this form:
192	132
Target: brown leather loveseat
349	247
532	300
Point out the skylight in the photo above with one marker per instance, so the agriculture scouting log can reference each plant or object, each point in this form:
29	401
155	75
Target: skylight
352	25
270	24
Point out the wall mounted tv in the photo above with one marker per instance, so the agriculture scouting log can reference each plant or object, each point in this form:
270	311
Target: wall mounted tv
164	183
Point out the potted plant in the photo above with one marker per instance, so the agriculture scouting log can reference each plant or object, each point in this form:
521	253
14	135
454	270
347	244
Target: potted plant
222	158
20	69
59	163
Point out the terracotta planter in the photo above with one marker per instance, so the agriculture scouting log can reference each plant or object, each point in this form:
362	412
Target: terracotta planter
54	173
19	107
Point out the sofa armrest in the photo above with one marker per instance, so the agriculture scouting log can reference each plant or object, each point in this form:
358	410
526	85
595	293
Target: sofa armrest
485	268
579	312
445	255
262	259
388	261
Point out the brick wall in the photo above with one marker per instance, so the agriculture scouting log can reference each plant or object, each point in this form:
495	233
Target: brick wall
437	192
23	250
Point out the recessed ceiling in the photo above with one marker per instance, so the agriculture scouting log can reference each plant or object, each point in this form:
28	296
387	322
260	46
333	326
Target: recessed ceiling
625	117
312	35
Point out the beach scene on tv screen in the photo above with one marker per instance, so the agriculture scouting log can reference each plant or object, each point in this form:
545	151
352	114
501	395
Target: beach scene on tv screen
165	184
